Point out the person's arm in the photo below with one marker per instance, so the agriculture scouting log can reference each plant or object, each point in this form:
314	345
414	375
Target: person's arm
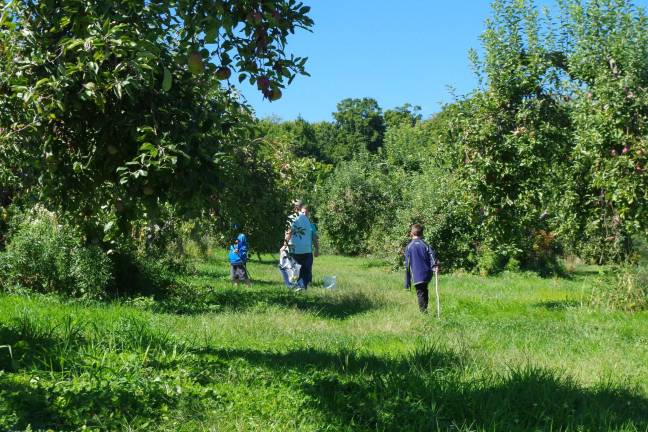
434	259
315	240
408	275
316	245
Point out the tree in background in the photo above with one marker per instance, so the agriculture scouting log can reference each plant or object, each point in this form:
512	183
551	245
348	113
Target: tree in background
405	114
360	127
514	139
606	200
353	201
294	150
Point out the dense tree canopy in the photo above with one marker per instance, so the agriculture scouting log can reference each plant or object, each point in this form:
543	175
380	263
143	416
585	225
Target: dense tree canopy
110	108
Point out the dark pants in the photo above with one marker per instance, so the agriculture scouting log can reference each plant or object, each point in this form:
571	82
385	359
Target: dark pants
422	294
306	270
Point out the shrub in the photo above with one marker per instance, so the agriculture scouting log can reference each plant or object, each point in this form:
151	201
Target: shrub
627	291
137	273
512	265
436	200
356	196
45	255
489	262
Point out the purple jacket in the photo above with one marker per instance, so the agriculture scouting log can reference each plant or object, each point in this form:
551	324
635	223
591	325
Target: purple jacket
420	260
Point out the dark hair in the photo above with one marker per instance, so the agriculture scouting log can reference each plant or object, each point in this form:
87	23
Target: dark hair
417	230
297	204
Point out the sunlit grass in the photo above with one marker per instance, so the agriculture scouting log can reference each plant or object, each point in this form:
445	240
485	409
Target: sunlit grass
513	352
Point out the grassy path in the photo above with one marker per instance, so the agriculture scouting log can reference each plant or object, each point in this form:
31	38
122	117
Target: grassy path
515	352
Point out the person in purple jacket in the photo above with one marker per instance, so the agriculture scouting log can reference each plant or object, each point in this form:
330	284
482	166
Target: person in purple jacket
420	264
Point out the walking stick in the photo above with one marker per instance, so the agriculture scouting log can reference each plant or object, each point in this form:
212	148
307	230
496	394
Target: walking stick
436	288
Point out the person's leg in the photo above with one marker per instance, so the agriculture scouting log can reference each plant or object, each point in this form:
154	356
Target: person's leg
307	275
304	269
239	276
422	295
245	276
233	275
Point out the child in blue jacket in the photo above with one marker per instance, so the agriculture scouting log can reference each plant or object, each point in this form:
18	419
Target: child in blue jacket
420	263
237	257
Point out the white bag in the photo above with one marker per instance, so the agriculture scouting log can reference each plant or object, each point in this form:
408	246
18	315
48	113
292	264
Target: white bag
288	264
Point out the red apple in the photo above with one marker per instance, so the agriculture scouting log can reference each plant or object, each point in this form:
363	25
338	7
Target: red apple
263	83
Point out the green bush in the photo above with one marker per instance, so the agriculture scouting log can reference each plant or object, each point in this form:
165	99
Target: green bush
45	255
627	290
136	273
489	262
354	198
435	199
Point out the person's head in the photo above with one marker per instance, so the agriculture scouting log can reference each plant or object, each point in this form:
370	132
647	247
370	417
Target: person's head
416	230
297	205
306	210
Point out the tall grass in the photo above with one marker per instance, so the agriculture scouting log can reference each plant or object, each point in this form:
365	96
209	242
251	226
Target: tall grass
514	352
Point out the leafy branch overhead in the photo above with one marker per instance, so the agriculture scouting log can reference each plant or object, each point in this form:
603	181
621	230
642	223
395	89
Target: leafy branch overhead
110	108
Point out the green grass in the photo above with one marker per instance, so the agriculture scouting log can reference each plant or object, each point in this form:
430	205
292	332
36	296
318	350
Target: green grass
514	352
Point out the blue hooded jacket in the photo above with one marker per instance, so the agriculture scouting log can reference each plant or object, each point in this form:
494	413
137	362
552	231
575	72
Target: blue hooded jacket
238	252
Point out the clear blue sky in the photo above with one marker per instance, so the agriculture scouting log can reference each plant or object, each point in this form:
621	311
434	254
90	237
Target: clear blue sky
395	51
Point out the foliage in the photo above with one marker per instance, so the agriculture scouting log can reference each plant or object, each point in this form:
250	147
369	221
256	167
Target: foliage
294	150
606	199
252	197
137	273
352	199
406	114
409	146
360	127
112	108
626	289
46	256
514	135
436	199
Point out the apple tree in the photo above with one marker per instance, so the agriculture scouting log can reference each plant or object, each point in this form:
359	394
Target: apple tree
606	198
110	108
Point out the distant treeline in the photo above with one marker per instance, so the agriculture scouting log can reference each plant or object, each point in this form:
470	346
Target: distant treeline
547	157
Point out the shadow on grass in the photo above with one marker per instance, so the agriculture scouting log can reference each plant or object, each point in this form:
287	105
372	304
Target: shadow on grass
343	361
428	390
339	306
559	304
52	378
30	343
22	405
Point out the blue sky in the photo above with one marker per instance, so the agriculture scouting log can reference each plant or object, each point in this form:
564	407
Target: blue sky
395	51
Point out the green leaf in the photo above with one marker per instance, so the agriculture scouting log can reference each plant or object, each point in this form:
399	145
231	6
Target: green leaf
41	82
167	81
211	31
147	146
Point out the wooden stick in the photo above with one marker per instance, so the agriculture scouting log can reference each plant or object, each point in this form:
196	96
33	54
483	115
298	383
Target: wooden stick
436	288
